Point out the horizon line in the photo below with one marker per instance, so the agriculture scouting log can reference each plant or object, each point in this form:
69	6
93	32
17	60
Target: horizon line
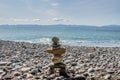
67	24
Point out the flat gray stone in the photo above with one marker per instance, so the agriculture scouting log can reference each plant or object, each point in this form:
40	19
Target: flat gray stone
4	63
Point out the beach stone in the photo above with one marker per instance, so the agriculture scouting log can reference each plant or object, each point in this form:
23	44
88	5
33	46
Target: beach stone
110	72
98	69
1	71
70	57
16	73
17	78
37	77
15	60
78	67
67	61
36	62
59	78
86	74
17	67
92	78
36	56
25	69
108	76
5	63
119	63
34	71
86	60
24	75
74	78
39	65
78	77
52	76
73	64
8	77
2	55
29	75
91	69
81	71
91	55
72	70
1	76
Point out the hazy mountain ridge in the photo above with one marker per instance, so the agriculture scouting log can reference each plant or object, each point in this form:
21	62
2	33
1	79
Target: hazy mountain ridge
59	25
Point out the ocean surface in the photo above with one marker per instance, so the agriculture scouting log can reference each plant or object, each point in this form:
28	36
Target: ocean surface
73	35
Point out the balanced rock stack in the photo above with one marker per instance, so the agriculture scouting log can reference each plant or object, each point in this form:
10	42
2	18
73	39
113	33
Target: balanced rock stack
57	52
59	68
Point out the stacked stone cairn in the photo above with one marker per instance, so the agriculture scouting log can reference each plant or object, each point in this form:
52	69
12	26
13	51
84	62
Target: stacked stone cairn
59	68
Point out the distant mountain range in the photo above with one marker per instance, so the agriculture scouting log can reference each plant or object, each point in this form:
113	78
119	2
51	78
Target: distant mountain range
111	26
59	25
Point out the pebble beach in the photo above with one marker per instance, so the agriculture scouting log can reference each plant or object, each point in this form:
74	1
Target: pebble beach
30	61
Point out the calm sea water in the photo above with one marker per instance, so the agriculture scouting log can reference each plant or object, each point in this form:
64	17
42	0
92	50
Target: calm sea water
69	35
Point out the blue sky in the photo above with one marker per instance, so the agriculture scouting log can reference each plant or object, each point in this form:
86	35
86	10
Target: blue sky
82	12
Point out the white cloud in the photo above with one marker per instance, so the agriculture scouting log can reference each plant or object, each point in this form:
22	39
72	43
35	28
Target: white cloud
54	4
60	20
19	20
36	20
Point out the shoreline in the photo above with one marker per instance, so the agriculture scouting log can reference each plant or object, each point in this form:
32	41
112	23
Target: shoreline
17	41
23	58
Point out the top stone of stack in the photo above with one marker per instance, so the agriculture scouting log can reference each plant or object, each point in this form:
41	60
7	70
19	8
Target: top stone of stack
55	44
56	49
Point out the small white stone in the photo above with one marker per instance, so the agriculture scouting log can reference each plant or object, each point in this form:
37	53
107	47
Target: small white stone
29	75
4	63
1	71
25	69
108	76
91	70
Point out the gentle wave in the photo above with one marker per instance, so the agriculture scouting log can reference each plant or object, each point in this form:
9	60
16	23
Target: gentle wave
76	42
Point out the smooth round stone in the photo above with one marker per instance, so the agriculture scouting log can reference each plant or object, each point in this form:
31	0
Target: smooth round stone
8	77
52	76
36	62
29	75
73	64
5	63
82	71
110	72
91	55
56	51
67	61
1	71
70	57
16	73
37	77
91	69
79	78
59	78
17	67
108	76
34	71
86	74
25	69
39	65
